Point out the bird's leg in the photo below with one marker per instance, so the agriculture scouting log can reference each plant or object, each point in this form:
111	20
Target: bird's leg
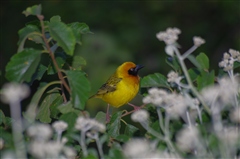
138	108
134	107
107	115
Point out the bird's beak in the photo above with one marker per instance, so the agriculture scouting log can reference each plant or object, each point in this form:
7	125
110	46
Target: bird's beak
138	67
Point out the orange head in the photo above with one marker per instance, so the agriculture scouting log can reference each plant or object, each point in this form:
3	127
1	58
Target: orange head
128	69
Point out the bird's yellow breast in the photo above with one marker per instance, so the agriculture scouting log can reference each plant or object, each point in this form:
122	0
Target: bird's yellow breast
125	91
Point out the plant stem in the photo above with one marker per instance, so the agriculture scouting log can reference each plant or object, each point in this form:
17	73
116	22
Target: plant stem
60	75
193	89
82	143
17	130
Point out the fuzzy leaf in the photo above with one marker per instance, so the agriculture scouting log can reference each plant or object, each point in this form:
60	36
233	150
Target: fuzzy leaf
63	34
80	88
23	65
154	80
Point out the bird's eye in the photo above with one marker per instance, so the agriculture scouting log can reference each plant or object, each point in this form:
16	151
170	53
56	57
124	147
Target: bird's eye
131	71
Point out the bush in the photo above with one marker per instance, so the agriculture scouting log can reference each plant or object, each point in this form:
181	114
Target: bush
191	113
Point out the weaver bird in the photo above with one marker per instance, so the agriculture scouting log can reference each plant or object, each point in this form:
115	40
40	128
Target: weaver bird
121	87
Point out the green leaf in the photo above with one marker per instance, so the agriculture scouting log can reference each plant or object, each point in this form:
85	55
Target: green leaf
194	61
122	138
193	73
32	33
78	62
173	62
115	153
23	65
80	88
34	10
54	107
101	117
114	125
203	61
55	18
130	130
39	73
2	118
205	79
63	34
90	156
66	107
79	29
154	80
69	118
60	59
32	108
44	111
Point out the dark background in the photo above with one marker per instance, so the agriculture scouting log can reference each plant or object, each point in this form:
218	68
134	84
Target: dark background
126	31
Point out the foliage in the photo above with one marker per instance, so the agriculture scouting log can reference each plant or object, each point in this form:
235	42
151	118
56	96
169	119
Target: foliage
191	113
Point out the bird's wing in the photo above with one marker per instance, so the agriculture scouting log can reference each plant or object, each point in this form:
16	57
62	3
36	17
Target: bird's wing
109	86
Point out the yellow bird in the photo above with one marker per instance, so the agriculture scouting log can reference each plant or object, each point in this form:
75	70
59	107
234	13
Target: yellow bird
121	87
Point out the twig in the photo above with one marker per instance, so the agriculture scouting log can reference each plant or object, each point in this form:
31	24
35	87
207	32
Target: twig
60	75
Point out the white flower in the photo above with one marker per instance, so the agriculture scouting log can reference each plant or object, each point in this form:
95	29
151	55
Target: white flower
175	105
37	149
224	91
198	41
235	115
188	139
229	59
59	126
234	53
40	131
173	77
155	96
69	152
137	148
170	36
86	124
229	135
53	149
140	116
14	92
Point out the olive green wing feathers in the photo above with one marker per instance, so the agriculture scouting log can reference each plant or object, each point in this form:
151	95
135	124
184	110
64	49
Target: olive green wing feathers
109	86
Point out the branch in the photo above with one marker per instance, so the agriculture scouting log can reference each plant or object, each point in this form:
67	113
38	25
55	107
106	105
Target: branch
60	75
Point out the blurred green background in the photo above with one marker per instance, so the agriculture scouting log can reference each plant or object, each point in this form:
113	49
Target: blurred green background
126	31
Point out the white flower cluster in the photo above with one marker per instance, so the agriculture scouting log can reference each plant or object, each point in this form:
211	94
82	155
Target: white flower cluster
41	132
229	136
173	77
224	92
14	92
198	41
235	115
59	126
174	104
85	124
42	147
142	148
229	59
140	116
188	140
170	36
